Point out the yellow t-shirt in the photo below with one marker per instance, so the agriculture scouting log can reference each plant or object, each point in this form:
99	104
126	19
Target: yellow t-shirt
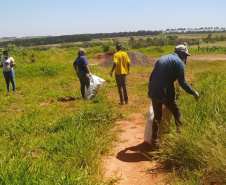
121	59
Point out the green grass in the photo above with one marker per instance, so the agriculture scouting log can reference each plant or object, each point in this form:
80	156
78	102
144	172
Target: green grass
198	153
49	135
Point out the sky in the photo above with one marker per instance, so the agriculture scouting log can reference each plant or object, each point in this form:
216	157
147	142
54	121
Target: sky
21	18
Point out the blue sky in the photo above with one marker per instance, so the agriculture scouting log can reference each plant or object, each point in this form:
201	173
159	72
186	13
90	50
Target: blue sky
64	17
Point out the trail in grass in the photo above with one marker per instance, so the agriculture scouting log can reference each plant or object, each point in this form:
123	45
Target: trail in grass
132	161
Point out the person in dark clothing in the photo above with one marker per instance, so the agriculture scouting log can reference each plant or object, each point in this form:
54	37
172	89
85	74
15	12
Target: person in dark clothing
82	70
167	70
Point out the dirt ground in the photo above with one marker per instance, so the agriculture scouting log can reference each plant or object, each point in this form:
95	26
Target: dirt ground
208	57
136	58
142	59
132	161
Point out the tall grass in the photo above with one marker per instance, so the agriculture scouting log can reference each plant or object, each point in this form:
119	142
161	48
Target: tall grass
198	153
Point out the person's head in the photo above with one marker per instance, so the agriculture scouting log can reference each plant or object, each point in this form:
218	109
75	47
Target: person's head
118	47
81	51
185	44
6	53
182	52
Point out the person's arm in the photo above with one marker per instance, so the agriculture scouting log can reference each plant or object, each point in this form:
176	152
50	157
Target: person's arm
86	65
1	65
150	78
87	68
183	83
12	63
75	67
113	68
128	66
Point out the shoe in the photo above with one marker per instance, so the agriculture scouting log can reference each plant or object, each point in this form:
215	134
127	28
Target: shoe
154	146
120	103
127	102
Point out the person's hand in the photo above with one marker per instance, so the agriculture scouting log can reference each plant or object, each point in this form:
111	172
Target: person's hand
90	74
128	73
12	64
196	96
111	74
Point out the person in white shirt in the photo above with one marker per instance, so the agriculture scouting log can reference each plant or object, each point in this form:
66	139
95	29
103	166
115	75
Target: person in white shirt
7	64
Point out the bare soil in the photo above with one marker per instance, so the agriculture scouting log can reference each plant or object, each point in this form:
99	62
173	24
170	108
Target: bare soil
132	161
136	58
142	59
208	57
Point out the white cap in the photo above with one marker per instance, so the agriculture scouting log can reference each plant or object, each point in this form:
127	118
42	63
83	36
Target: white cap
182	48
81	50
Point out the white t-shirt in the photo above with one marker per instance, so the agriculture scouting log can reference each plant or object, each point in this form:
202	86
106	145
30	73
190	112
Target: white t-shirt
6	63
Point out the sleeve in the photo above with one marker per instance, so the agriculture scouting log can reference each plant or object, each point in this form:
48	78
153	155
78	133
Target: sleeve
85	60
182	80
127	58
115	60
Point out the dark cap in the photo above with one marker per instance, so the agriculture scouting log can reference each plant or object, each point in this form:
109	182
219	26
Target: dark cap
118	46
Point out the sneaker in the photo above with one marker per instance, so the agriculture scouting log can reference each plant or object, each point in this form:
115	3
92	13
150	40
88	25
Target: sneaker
120	103
126	102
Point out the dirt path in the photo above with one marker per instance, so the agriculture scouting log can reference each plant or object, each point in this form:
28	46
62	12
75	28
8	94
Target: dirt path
205	57
131	162
208	57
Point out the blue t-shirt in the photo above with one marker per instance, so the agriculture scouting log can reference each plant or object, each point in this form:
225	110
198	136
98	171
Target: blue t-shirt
79	62
167	70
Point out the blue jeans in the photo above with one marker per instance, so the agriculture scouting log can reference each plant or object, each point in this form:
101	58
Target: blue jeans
9	77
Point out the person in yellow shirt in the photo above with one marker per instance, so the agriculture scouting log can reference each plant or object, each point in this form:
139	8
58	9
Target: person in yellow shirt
121	65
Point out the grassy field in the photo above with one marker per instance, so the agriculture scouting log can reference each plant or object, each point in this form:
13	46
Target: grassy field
49	135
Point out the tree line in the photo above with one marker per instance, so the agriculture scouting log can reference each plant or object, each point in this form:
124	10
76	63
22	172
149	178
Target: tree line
159	39
74	38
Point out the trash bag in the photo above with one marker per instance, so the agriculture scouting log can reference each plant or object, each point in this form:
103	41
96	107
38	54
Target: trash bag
148	127
95	85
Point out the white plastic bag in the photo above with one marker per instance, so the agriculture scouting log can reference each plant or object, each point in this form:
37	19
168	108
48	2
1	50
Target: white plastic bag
148	127
95	84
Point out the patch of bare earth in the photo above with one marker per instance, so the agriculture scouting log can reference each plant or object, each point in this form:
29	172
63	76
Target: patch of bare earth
130	162
206	57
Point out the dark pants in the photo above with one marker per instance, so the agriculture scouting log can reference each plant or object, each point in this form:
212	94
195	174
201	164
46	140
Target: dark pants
84	81
157	107
121	83
9	77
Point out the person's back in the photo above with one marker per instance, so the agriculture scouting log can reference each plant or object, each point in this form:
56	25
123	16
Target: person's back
121	59
121	65
80	62
164	75
168	69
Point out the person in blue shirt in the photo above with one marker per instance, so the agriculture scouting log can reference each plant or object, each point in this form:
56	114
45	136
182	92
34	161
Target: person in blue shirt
82	70
167	70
